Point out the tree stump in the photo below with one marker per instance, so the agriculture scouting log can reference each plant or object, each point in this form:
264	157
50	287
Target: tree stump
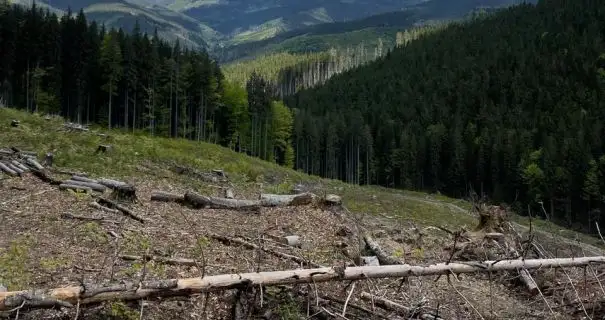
15	123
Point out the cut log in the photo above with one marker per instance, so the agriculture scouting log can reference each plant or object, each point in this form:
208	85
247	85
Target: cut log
369	261
34	164
279	200
293	241
229	194
18	170
125	192
167	197
332	200
252	246
7	169
114	205
91	185
393	306
199	201
15	123
112	184
70	296
170	261
20	165
383	257
103	148
83	179
75	187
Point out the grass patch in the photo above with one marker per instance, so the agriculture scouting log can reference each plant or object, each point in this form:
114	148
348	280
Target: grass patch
14	273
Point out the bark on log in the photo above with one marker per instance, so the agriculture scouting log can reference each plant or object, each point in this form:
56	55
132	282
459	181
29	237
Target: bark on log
393	306
20	165
69	296
91	185
167	197
83	179
252	246
121	208
199	201
383	257
112	184
7	170
170	261
293	241
18	170
34	163
279	200
75	187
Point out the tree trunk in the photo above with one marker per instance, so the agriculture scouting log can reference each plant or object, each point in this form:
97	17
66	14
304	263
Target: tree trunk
69	296
279	200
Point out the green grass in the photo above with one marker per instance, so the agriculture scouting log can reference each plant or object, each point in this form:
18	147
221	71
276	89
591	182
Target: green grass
75	151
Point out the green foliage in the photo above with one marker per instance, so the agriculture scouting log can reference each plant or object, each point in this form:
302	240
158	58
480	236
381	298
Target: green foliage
462	106
119	310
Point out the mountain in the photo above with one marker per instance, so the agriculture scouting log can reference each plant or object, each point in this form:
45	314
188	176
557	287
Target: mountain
229	26
509	105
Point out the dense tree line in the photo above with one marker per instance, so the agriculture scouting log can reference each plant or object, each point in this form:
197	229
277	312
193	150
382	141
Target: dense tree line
509	105
79	70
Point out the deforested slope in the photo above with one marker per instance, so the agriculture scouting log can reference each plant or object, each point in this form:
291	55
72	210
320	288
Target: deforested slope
509	105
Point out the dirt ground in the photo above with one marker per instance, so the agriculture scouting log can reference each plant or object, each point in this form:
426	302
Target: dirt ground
41	248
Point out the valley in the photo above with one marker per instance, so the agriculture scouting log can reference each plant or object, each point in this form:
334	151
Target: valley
287	160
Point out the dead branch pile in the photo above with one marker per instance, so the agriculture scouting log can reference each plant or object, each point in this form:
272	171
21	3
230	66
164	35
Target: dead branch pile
70	296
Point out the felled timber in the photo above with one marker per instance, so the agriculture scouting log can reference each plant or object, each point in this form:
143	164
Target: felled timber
73	295
44	176
83	179
20	165
121	190
282	200
18	170
114	205
167	197
67	186
199	201
94	186
6	169
34	163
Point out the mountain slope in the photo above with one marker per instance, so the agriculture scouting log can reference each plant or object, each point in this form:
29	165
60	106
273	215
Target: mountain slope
509	105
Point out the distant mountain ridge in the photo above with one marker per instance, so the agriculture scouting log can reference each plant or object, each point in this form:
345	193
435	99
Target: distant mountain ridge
224	25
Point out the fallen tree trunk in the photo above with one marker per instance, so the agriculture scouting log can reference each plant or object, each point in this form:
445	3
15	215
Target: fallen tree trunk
42	175
9	171
103	208
200	201
393	306
167	197
113	205
20	165
75	187
34	163
69	296
279	200
112	184
18	170
84	179
383	257
94	186
252	246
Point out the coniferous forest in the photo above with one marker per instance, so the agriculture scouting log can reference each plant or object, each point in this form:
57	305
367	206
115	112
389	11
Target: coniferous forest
510	106
138	82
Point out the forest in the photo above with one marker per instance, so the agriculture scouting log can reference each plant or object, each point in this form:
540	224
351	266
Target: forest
509	106
138	82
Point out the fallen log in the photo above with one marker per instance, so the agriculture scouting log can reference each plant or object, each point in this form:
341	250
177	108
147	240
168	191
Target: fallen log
170	261
70	296
252	246
75	187
7	170
112	184
293	241
18	170
114	205
33	163
103	208
199	201
279	200
20	165
94	186
167	197
83	179
393	306
42	175
383	257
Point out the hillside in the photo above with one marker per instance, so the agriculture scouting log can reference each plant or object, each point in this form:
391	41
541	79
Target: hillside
56	238
508	105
